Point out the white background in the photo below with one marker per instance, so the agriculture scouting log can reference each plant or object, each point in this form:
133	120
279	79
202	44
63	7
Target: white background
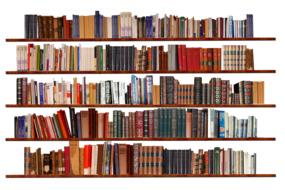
268	22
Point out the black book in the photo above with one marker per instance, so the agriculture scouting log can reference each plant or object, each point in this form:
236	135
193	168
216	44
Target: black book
73	123
198	90
145	123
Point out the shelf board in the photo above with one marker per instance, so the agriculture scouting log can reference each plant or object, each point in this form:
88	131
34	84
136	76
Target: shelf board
141	105
139	176
146	139
138	72
135	39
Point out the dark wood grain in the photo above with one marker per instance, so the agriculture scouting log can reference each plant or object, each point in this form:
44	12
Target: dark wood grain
136	39
142	105
137	72
145	139
138	176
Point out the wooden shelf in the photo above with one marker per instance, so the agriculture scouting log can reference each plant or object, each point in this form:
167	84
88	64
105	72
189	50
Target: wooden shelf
139	176
142	105
146	139
136	39
137	72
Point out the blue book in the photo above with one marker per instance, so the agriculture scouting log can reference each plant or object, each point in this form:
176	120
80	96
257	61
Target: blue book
75	26
116	155
113	26
145	91
78	59
221	124
101	26
21	131
230	27
249	26
78	122
41	90
150	27
134	89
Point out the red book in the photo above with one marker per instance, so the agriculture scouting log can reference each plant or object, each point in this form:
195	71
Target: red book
48	132
67	160
65	123
61	124
65	26
139	123
196	58
78	97
184	59
106	125
87	159
180	64
41	127
189	65
210	59
151	123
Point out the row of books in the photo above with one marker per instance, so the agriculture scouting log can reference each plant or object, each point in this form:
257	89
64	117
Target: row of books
157	123
129	58
125	25
136	159
140	91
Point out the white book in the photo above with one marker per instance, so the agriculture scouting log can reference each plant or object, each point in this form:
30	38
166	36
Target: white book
19	57
114	92
129	31
155	25
211	123
24	65
231	120
94	160
226	118
109	27
103	93
134	27
104	59
67	93
122	91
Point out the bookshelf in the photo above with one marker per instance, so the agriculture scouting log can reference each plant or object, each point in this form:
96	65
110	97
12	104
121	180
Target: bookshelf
139	72
139	176
146	139
142	105
185	39
136	39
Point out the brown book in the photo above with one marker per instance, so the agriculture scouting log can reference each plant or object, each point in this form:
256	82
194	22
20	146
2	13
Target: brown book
100	159
81	161
84	123
249	60
27	160
81	27
100	125
260	92
255	92
188	124
123	158
160	160
112	161
39	161
74	157
52	162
